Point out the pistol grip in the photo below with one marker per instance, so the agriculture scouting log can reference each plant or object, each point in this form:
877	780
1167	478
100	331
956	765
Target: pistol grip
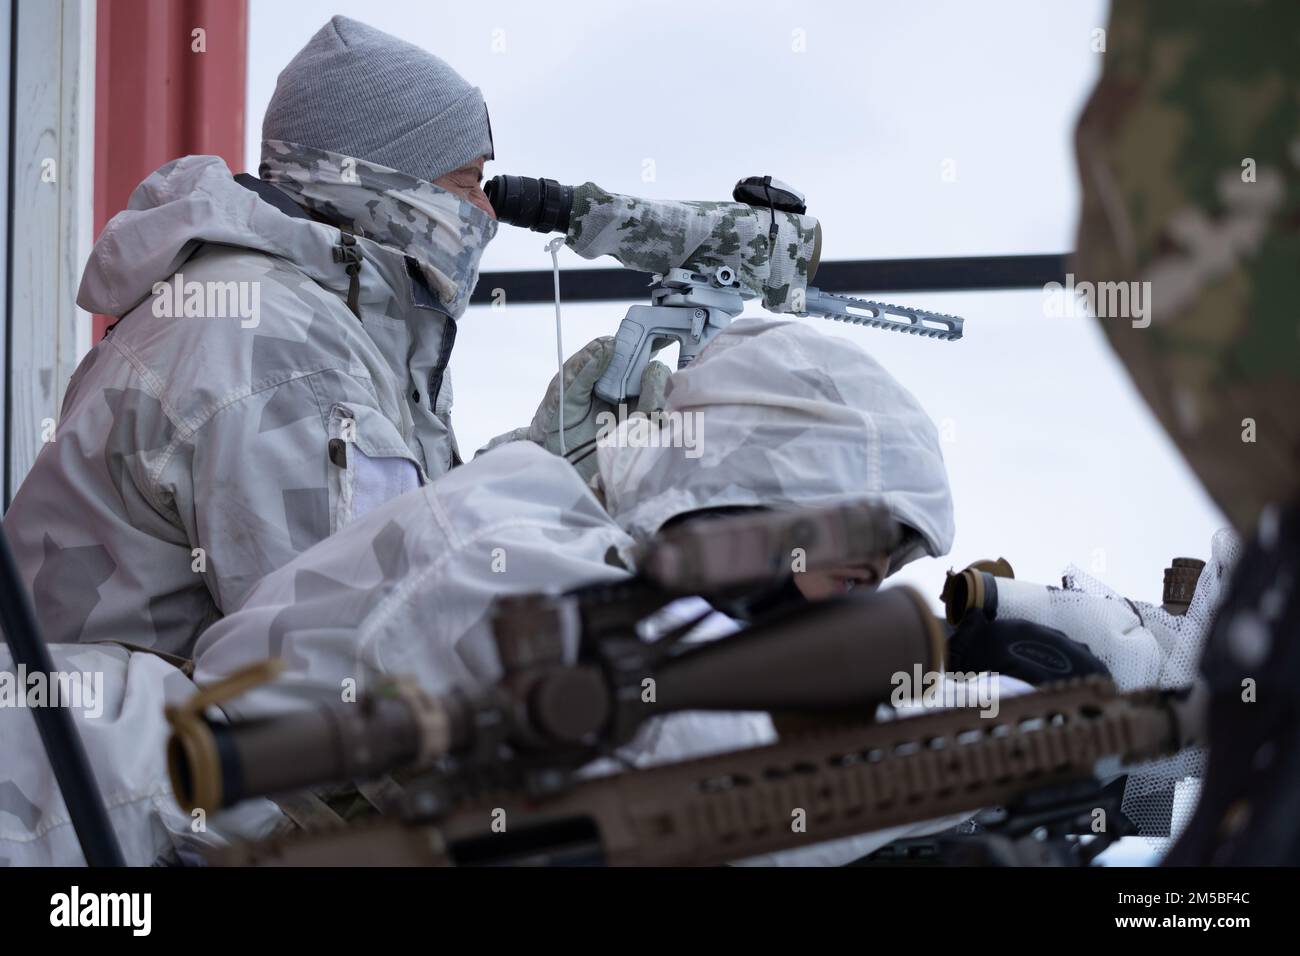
622	378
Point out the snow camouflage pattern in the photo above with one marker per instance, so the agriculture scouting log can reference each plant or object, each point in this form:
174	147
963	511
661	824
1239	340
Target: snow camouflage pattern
125	736
1142	645
406	589
658	235
829	425
442	232
195	454
1190	91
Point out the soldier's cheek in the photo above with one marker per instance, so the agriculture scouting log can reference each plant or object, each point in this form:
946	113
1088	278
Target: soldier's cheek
479	198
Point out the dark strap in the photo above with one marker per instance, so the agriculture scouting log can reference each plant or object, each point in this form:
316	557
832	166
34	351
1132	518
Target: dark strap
182	664
273	195
349	253
306	811
346	252
384	794
422	297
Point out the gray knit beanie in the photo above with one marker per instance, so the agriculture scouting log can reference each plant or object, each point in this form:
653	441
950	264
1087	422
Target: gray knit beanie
357	91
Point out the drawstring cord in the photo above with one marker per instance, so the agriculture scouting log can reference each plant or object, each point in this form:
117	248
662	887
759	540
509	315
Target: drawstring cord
349	253
553	248
771	207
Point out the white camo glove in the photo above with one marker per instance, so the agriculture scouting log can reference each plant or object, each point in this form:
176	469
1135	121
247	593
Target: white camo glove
582	406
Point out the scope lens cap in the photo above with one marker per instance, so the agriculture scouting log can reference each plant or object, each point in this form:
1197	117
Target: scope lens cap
765	191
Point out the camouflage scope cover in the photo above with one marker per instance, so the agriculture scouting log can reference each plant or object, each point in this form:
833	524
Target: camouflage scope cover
658	235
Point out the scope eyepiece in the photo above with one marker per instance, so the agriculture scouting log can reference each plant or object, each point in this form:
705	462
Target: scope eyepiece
542	205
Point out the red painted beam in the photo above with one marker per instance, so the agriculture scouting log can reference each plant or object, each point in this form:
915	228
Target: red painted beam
157	97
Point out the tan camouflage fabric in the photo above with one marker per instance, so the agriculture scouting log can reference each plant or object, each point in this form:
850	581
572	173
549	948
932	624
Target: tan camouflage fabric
1189	151
201	446
658	235
1189	156
443	233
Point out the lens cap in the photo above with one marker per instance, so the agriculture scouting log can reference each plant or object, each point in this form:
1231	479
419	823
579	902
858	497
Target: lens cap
764	191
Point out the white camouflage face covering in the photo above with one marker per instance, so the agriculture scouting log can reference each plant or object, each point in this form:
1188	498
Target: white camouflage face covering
445	234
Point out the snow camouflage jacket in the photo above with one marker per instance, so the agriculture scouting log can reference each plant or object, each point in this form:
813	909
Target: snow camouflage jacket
239	412
116	699
406	589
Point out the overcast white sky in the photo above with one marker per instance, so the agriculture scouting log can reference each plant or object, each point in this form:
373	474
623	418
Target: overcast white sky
1053	457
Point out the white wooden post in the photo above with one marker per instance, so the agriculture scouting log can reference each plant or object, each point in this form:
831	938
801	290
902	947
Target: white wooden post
6	107
51	215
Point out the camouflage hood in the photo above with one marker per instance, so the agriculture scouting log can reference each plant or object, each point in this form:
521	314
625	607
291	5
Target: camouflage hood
775	413
194	200
186	202
442	232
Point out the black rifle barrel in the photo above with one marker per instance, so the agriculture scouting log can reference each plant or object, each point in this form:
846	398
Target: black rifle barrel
63	745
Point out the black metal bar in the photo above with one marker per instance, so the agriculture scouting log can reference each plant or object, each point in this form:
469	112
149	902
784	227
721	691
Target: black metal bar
963	273
62	743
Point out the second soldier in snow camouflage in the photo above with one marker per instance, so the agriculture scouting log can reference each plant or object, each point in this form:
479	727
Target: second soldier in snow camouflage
658	235
789	418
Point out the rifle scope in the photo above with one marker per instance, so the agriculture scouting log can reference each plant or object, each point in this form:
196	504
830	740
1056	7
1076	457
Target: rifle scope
833	657
214	765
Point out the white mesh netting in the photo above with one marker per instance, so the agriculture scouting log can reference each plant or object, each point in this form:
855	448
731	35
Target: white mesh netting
1143	646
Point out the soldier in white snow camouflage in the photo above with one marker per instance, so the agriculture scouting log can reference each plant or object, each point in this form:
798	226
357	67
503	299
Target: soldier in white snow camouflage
790	418
198	450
